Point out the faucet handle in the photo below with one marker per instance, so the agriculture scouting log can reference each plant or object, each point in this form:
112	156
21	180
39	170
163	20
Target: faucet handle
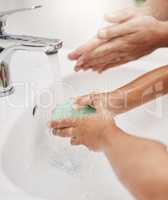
5	14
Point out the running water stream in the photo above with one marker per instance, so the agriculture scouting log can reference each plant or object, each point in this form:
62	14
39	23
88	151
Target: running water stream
57	151
55	159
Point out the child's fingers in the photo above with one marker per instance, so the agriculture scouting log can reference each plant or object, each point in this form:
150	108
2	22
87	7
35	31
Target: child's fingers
65	123
84	101
87	100
76	141
64	132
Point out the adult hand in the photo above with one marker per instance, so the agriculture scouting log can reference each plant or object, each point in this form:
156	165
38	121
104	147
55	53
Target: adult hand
130	38
117	17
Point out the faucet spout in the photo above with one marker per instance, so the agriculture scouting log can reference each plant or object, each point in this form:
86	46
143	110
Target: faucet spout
25	43
12	43
31	43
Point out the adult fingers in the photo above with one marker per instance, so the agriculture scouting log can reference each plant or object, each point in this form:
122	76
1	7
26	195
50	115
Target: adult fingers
102	54
120	30
102	61
88	46
121	16
99	67
115	63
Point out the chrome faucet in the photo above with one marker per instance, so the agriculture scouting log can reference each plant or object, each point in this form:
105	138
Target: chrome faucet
9	44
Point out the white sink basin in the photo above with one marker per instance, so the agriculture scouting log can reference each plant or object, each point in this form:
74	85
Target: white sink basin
48	167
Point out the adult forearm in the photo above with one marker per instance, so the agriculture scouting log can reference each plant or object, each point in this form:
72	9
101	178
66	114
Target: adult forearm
157	8
140	164
140	91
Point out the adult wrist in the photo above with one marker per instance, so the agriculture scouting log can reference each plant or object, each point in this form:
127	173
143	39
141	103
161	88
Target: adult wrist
152	10
146	10
163	30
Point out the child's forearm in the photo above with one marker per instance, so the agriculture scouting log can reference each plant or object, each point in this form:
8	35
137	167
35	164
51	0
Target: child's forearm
141	165
146	88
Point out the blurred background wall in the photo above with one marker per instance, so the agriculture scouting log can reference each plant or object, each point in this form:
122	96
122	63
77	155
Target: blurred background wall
72	21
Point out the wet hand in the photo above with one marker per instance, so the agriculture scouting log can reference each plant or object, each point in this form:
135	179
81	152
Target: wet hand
93	131
112	102
117	17
130	38
95	100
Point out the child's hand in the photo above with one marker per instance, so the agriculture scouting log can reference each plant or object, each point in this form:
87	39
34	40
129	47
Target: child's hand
108	101
92	131
95	100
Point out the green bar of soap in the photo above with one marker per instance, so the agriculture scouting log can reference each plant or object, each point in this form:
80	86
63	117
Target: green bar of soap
66	110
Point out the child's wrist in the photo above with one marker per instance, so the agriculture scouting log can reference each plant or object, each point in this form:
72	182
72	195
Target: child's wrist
112	135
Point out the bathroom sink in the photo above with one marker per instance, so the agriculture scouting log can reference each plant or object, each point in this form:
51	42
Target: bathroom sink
47	167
